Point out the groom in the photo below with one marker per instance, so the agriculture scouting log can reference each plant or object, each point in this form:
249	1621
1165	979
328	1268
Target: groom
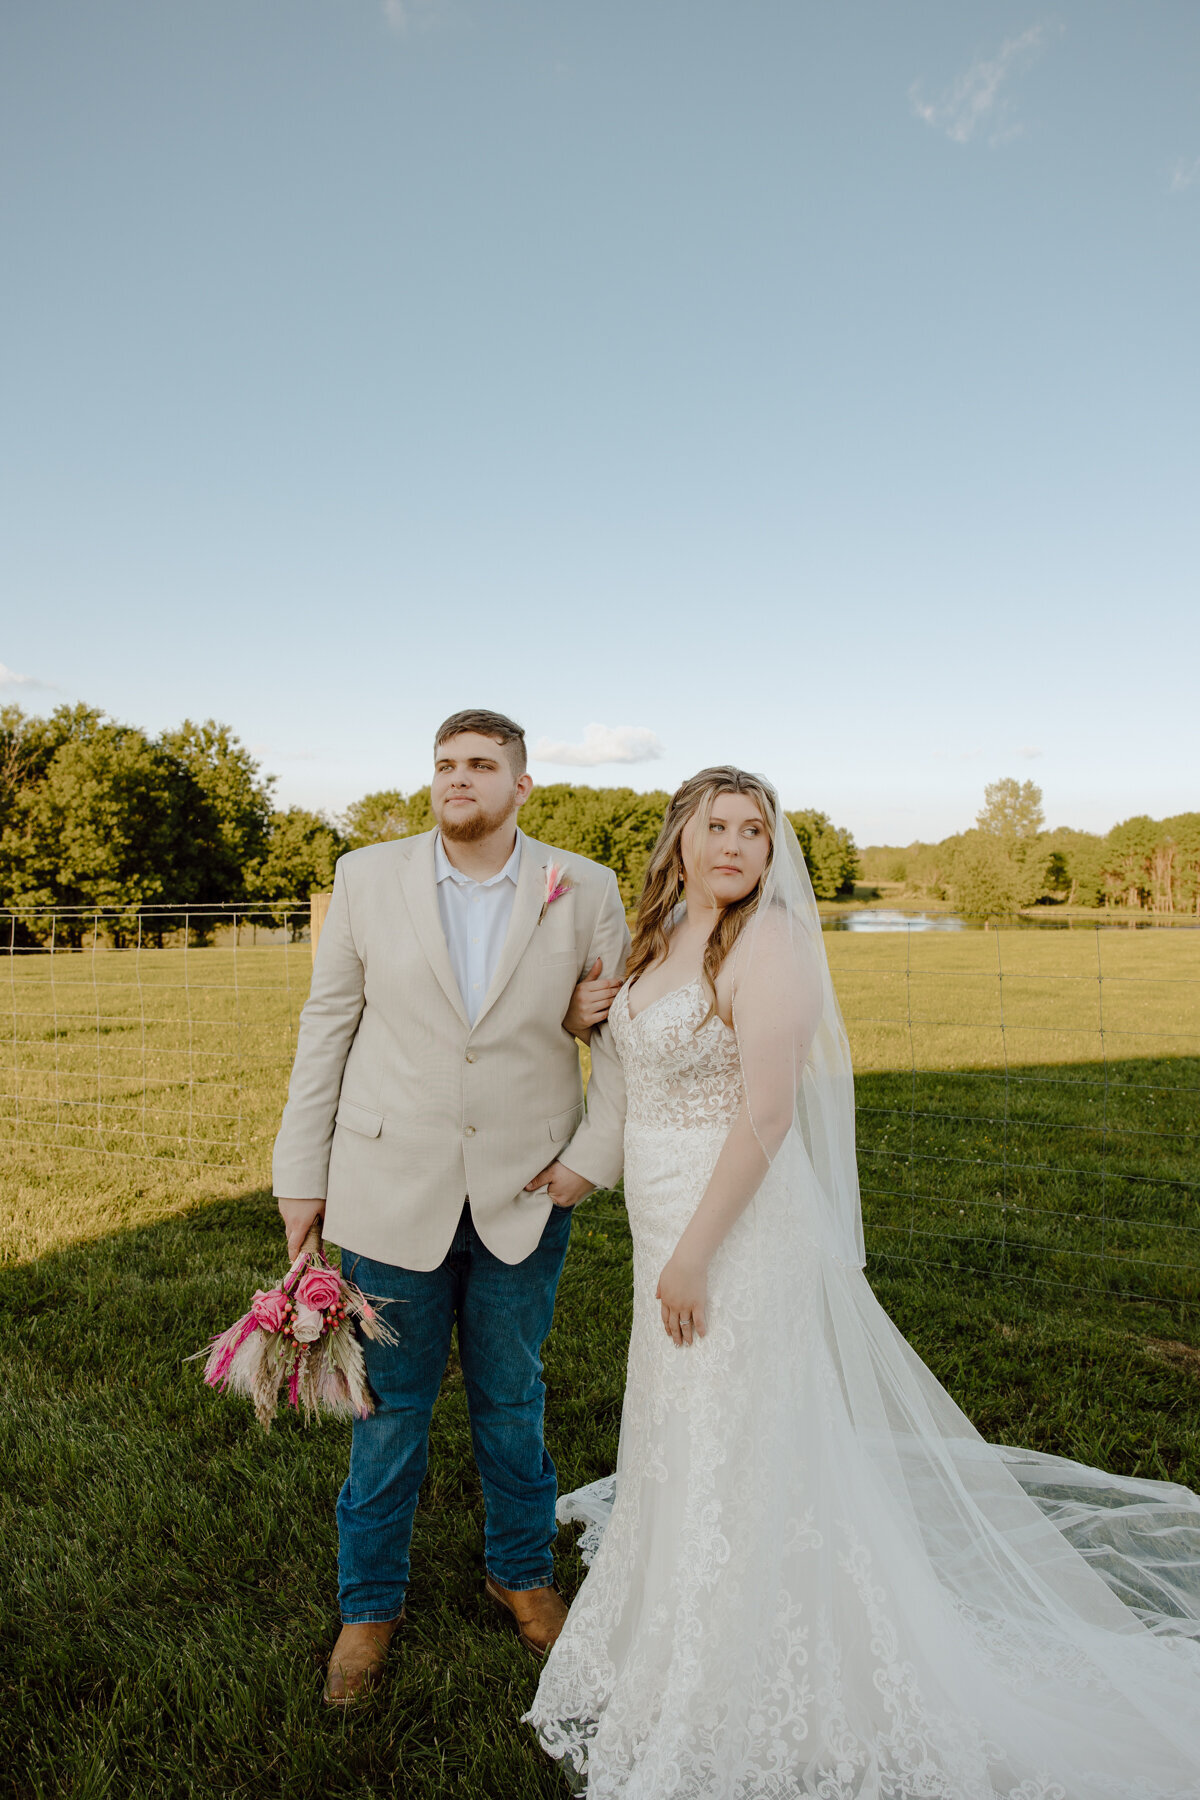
435	1119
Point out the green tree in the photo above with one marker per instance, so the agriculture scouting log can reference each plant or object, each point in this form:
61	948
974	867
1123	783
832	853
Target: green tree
829	851
418	809
613	826
301	853
1012	810
28	745
113	821
94	813
883	862
927	868
376	819
1128	860
239	801
1074	865
1183	830
1012	817
986	879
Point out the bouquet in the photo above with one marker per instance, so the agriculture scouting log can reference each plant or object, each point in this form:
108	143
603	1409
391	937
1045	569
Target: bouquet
300	1336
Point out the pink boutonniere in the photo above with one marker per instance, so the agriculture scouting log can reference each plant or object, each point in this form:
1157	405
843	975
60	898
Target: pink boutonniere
557	884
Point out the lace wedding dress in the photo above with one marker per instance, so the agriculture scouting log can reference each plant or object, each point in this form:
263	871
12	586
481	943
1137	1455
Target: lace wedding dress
814	1577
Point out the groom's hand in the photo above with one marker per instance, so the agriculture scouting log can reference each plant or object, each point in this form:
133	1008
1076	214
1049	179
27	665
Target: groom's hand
566	1188
297	1216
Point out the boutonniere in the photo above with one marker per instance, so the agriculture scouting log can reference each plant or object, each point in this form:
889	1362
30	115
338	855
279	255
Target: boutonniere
558	883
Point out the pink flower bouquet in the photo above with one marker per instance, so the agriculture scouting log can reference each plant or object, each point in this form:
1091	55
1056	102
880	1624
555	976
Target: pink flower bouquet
300	1336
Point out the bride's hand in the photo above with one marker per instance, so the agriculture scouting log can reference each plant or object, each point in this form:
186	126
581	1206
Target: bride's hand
683	1294
590	1002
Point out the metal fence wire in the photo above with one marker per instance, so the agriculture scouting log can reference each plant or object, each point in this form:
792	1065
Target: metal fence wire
1026	1102
164	1034
1026	1099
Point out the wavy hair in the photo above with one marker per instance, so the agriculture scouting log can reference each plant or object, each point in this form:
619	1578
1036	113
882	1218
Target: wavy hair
664	881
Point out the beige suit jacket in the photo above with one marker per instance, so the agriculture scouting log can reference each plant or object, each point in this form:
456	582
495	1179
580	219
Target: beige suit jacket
399	1109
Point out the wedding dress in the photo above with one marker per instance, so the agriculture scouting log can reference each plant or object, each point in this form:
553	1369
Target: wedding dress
810	1575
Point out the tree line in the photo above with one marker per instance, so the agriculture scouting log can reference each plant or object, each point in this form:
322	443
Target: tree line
1010	861
613	826
96	814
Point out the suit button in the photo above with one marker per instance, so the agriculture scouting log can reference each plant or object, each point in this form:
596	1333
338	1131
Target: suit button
470	1131
470	1056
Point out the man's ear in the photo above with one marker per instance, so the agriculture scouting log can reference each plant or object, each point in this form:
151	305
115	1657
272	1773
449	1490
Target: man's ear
524	788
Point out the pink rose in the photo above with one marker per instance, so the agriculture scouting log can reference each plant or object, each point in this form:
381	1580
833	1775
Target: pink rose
319	1288
269	1308
307	1324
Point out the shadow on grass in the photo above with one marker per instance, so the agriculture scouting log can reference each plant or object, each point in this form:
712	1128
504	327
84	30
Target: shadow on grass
169	1571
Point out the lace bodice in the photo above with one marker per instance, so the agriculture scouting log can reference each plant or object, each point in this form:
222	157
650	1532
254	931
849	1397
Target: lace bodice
677	1077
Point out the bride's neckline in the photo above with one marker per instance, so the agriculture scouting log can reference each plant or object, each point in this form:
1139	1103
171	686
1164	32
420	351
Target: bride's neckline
650	1005
658	1000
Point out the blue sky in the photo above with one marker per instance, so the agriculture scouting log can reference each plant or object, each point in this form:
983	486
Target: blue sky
812	387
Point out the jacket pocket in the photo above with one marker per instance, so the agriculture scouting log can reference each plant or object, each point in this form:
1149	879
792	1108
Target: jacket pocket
359	1118
564	1123
560	959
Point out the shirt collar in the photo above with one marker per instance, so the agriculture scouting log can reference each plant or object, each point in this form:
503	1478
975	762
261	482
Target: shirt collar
444	869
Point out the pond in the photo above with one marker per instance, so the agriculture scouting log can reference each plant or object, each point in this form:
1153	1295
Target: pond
885	919
882	918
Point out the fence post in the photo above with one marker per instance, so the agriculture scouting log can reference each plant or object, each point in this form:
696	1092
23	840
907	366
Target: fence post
318	906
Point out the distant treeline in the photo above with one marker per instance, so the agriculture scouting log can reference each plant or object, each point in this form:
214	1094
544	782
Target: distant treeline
98	814
1010	861
614	826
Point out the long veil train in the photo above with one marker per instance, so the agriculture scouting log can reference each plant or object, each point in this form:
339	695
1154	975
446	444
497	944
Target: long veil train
1047	1614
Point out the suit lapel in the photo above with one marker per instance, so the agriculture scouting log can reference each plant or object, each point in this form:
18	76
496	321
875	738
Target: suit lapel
420	892
527	904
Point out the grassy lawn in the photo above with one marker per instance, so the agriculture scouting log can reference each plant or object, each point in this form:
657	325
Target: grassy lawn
1028	1102
168	1571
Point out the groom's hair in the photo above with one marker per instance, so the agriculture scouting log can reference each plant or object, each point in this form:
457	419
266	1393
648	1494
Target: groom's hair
487	724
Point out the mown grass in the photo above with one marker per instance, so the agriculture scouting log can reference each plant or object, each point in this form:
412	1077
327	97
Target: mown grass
1028	1102
1031	1095
168	1573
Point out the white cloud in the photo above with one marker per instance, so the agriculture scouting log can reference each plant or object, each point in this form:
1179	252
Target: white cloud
10	678
408	15
1029	751
602	744
975	99
1184	174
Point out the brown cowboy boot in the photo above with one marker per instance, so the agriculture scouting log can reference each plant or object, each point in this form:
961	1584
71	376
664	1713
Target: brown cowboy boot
357	1660
539	1612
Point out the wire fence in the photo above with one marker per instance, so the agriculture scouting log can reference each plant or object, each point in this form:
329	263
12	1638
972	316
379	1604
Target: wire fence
1027	1103
166	1034
1027	1100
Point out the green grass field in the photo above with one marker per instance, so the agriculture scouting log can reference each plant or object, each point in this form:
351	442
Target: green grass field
168	1571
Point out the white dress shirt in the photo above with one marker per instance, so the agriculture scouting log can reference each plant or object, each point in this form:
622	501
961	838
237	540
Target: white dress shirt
475	918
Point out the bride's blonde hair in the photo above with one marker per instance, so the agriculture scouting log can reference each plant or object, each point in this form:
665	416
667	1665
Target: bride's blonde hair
663	885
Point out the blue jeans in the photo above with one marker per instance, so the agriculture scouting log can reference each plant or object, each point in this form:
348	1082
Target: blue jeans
503	1313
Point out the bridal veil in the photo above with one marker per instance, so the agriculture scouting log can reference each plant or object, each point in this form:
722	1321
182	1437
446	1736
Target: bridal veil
1059	1605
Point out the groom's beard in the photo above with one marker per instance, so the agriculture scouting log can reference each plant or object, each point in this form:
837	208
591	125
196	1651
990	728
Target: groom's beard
473	824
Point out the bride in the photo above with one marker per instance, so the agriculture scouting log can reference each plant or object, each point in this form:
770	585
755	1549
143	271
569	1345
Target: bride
811	1576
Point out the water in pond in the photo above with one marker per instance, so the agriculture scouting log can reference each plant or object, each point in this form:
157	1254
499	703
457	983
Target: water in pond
882	918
